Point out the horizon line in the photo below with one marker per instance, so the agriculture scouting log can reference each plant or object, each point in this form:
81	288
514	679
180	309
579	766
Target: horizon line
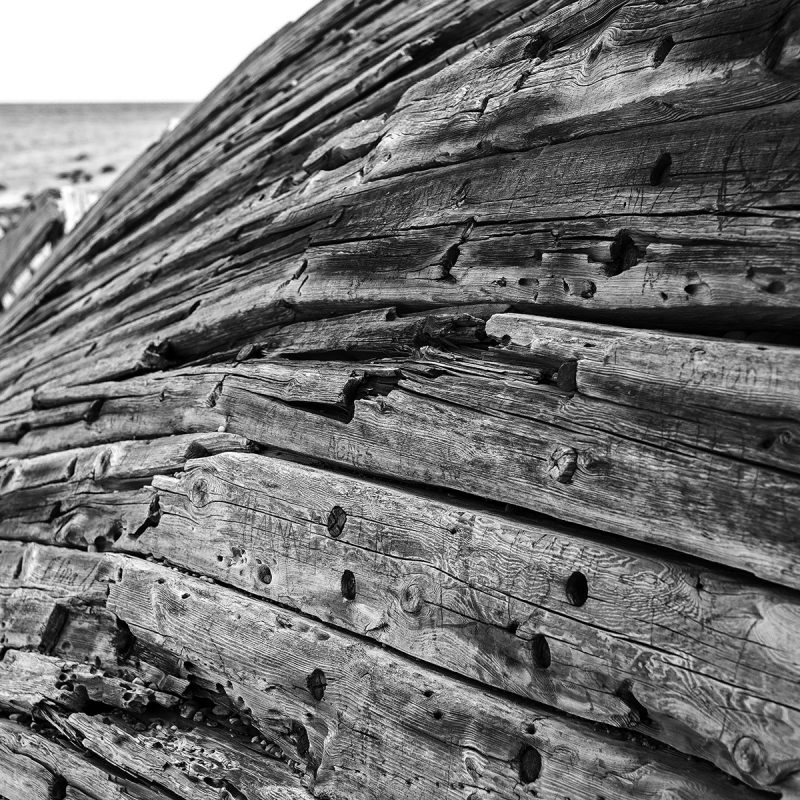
95	102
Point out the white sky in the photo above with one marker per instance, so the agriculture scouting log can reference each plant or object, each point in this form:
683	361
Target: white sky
129	50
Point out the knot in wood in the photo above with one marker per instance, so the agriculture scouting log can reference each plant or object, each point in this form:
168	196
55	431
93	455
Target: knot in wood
198	494
588	462
336	520
101	463
412	597
562	465
748	755
92	413
248	351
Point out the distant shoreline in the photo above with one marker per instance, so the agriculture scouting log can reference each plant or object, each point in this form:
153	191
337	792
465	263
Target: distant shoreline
86	144
10	103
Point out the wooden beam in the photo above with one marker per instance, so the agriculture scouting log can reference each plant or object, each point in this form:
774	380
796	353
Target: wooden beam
445	358
323	681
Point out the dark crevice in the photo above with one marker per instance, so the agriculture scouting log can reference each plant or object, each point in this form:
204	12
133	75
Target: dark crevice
638	711
92	414
448	261
661	169
662	51
624	254
152	519
538	47
530	764
58	788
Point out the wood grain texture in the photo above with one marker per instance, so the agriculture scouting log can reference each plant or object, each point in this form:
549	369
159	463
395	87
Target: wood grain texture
611	635
257	655
452	420
420	419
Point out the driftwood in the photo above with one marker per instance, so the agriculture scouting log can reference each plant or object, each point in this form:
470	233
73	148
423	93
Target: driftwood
420	419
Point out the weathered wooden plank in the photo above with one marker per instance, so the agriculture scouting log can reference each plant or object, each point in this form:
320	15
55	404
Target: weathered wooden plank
57	606
188	763
659	370
737	398
435	423
616	268
590	477
223	509
397	695
671	425
221	635
382	332
92	496
587	68
29	678
377	179
494	598
22	778
86	779
450	732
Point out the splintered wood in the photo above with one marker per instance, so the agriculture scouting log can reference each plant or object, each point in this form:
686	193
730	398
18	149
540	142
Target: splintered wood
420	419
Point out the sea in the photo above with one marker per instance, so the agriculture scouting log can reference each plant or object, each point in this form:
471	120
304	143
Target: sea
56	144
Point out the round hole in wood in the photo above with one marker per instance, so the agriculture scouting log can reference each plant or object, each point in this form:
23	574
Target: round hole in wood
541	651
577	588
264	574
348	585
530	764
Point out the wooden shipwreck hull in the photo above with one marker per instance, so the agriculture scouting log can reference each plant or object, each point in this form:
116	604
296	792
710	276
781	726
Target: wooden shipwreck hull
419	419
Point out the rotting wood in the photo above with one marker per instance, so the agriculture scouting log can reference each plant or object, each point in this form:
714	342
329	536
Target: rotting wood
451	585
327	733
445	356
452	423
